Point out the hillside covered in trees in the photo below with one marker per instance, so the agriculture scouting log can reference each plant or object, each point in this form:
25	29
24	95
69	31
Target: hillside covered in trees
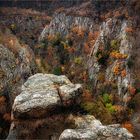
69	69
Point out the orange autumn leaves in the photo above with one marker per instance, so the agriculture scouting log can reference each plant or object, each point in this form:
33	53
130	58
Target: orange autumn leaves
118	108
128	126
117	70
118	55
79	31
92	36
6	116
129	30
123	73
132	90
86	48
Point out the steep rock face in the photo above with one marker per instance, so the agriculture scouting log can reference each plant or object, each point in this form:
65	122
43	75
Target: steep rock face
16	63
109	50
41	112
113	34
63	24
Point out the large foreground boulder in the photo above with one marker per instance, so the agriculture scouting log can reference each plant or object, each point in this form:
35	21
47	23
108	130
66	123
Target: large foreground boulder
45	109
45	101
43	93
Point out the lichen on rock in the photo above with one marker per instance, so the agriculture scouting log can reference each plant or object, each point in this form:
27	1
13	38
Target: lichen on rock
89	128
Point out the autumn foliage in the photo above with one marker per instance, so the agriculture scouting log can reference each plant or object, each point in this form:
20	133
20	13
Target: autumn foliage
129	30
118	108
87	96
118	55
116	69
132	90
128	126
86	48
78	30
123	73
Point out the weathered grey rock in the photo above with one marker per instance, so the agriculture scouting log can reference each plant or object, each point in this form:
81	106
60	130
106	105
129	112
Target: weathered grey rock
111	31
41	103
43	92
63	24
88	128
12	133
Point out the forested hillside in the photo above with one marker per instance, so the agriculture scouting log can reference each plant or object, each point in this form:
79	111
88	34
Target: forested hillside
70	69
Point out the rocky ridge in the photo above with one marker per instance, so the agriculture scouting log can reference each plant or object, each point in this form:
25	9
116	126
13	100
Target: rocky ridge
110	32
62	24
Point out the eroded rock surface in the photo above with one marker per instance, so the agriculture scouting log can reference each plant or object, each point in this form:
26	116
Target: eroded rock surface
89	128
44	100
41	111
43	92
63	24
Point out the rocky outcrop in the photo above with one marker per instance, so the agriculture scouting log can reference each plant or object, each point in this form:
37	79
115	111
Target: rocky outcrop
42	111
44	96
43	93
89	128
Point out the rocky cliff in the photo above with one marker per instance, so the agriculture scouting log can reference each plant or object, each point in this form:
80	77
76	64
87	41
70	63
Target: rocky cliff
101	55
110	51
95	43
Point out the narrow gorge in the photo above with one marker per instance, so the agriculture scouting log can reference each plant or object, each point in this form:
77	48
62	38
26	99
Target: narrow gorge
69	70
